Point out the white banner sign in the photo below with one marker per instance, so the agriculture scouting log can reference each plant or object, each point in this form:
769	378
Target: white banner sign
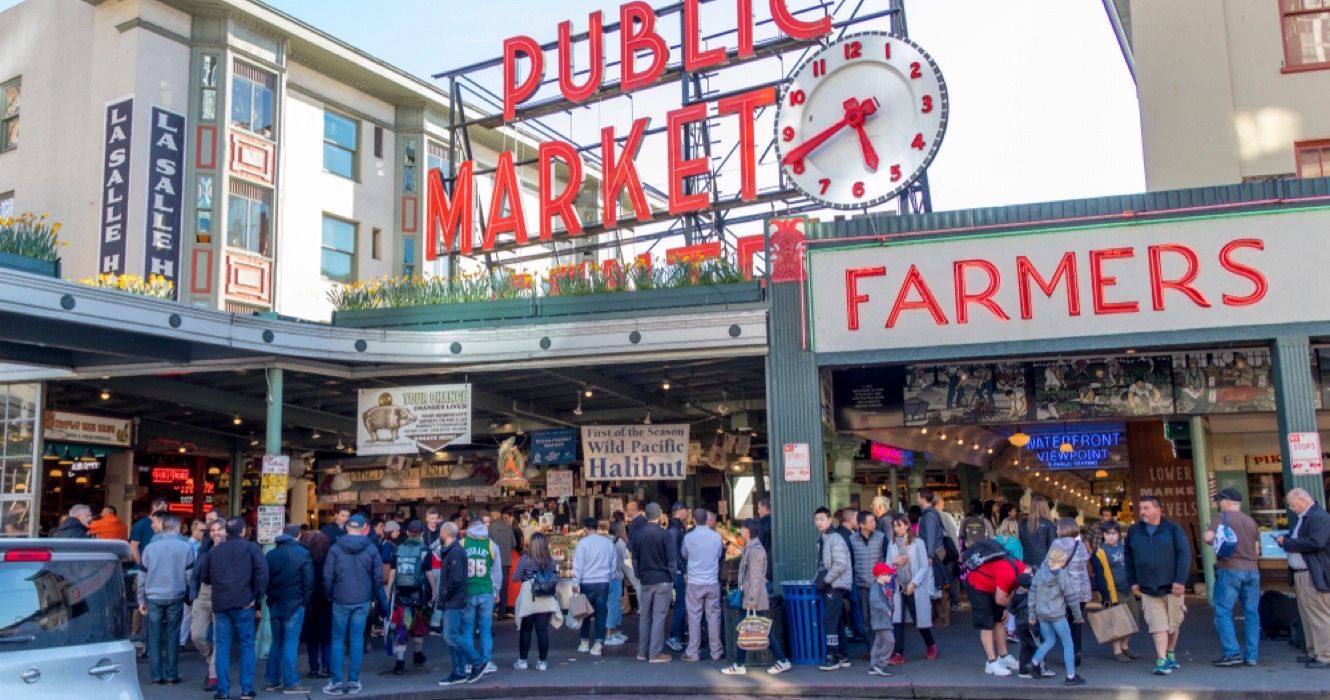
1304	450
1144	278
405	420
61	426
635	452
271	520
798	462
559	483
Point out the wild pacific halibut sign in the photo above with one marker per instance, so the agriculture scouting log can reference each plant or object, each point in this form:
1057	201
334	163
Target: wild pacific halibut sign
635	452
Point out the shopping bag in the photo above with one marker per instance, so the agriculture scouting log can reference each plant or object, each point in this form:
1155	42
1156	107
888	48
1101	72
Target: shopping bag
753	632
579	607
1112	623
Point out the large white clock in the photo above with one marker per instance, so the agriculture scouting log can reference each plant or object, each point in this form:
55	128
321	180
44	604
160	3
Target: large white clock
861	120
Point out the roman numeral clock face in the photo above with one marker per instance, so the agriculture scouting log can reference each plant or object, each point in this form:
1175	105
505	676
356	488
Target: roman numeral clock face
861	120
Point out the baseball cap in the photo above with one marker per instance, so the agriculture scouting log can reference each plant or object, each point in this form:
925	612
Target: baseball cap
881	568
1229	494
415	527
356	521
678	506
391	526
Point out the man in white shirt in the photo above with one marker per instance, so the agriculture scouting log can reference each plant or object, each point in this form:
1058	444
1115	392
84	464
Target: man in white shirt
593	566
703	549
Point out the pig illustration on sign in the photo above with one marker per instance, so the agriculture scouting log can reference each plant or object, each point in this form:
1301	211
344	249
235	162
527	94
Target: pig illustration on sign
386	418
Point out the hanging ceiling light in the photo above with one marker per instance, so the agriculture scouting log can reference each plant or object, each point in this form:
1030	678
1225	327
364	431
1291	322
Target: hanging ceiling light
923	431
66	459
55	473
665	383
81	480
340	445
1019	438
315	435
942	436
519	430
1101	474
974	446
180	449
588	391
105	394
236	419
214	470
577	411
647	420
1066	446
723	408
253	441
990	450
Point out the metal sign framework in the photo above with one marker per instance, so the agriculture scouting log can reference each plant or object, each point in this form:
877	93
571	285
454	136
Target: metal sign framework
475	105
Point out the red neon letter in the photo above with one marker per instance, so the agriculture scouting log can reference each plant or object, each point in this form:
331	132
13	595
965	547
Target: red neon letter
744	10
616	173
1183	284
852	296
596	40
1099	282
505	187
560	205
1259	285
1066	268
443	217
984	298
796	27
745	105
693	57
512	92
915	280
680	169
632	39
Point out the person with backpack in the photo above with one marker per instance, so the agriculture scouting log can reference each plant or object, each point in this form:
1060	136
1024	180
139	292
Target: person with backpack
1110	579
1052	593
537	603
409	582
914	588
1235	538
976	527
991	575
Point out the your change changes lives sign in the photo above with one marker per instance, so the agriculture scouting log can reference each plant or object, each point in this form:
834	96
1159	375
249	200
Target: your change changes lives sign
635	452
403	420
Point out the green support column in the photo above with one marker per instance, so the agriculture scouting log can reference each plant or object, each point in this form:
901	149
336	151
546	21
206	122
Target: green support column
794	415
896	490
234	491
1295	403
1200	471
273	438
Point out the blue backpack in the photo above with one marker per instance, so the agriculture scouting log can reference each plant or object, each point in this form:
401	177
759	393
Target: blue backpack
545	583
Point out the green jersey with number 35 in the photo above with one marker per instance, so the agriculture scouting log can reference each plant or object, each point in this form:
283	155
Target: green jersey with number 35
479	566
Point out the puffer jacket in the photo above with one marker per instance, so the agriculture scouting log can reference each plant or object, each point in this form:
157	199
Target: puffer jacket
1034	545
836	561
1050	593
866	553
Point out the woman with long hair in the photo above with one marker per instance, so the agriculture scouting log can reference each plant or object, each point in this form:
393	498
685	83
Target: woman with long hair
1078	570
316	632
914	588
614	603
1037	533
533	611
753	583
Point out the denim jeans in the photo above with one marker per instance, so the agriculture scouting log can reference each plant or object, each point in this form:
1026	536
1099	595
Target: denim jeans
241	624
281	666
680	608
320	656
479	614
614	605
1051	633
458	637
1232	586
855	623
597	594
163	638
348	627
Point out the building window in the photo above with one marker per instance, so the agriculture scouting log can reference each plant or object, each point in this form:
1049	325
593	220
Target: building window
1306	33
339	249
437	158
251	100
376	243
203	209
6	205
340	138
378	142
9	101
1313	158
249	218
409	256
409	166
208	87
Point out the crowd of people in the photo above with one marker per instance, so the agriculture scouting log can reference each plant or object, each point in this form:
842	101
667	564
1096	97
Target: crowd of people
1028	579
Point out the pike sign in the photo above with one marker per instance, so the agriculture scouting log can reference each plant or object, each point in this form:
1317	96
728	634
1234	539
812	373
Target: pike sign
635	452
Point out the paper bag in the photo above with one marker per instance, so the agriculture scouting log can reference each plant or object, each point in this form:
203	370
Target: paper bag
579	607
1112	623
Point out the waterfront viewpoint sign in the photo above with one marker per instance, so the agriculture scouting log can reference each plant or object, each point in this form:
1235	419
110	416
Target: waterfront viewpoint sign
1122	279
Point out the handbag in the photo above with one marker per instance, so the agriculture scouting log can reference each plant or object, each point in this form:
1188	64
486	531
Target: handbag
579	607
735	598
1112	623
753	632
1226	540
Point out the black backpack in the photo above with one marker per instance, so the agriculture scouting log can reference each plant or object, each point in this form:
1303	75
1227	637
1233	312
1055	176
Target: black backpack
974	530
981	553
408	565
545	582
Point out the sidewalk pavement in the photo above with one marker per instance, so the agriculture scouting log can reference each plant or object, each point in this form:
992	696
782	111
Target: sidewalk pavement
958	673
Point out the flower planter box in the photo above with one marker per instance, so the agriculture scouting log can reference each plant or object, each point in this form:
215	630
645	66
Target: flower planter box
45	268
651	299
435	315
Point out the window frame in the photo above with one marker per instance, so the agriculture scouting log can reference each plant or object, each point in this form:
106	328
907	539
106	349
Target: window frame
250	202
16	81
324	248
1322	145
410	266
354	151
7	197
254	87
1284	14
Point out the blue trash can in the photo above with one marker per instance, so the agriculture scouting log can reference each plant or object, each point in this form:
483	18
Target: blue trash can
805	642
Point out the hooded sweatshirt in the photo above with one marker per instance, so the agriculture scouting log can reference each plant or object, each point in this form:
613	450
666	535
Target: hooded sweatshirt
352	571
290	576
1050	593
168	562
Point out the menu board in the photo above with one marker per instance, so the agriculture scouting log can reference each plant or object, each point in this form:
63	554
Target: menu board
1103	387
979	393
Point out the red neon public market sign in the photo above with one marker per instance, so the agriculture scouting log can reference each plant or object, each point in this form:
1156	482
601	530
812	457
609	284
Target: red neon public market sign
637	35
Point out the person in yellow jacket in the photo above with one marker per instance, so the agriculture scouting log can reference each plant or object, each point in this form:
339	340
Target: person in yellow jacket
1110	580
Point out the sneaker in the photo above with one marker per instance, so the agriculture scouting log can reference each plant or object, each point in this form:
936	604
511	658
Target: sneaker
932	652
831	663
519	665
1075	680
248	695
615	641
489	668
436	631
1012	639
584	647
1010	662
779	667
734	670
661	659
399	668
477	673
295	690
674	644
271	687
690	659
210	685
996	668
352	688
453	679
596	649
1044	672
1172	660
418	658
1162	668
896	660
1026	672
541	666
877	671
332	688
1227	661
1250	662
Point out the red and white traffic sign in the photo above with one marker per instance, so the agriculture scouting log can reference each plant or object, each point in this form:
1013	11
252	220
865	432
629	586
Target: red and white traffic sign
1304	451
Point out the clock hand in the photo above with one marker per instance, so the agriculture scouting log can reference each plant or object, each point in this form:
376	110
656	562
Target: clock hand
870	154
855	112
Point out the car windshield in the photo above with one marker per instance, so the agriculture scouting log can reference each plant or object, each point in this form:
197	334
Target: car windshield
61	603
